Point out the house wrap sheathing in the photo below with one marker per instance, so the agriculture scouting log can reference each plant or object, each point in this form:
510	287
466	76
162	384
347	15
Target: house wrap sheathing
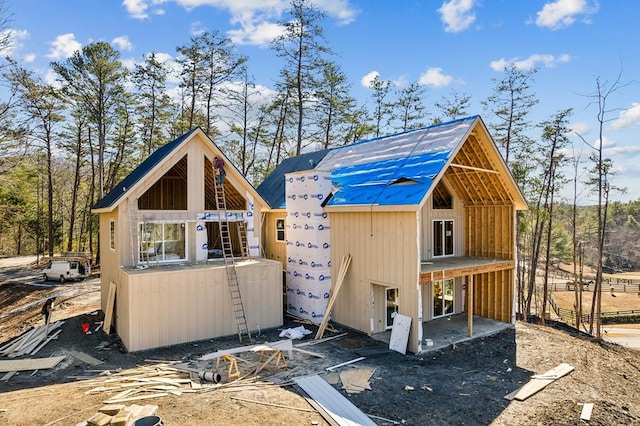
308	275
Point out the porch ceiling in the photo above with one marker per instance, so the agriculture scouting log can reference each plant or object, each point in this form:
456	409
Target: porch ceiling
452	267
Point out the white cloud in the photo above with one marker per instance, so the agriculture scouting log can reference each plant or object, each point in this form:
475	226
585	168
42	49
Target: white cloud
256	20
627	151
260	34
136	8
457	15
64	46
15	38
548	61
128	63
51	78
434	77
123	43
367	79
628	117
29	57
563	13
582	128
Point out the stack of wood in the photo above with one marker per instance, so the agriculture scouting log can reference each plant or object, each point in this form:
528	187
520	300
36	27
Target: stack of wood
146	382
32	341
157	380
119	415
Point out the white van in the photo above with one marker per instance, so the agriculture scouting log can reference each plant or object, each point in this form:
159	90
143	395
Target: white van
63	270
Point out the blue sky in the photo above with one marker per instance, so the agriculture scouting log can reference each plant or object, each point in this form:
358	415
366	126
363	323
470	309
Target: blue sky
449	45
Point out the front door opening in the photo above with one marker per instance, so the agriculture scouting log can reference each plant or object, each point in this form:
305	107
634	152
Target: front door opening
443	298
392	306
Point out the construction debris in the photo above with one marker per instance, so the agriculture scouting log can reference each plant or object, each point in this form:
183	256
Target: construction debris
355	380
539	382
333	367
120	416
30	342
29	364
337	407
587	409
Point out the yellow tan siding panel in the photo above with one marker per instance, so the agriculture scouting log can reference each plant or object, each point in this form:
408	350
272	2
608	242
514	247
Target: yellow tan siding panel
384	248
274	250
171	307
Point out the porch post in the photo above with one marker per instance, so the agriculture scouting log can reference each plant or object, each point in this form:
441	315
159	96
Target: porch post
470	307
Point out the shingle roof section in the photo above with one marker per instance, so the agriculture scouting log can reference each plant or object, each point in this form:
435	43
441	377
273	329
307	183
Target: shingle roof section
139	172
272	188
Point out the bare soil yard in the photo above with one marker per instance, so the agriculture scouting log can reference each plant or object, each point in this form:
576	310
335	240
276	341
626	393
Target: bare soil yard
461	386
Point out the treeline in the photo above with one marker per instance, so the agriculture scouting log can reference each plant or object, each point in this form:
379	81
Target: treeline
64	145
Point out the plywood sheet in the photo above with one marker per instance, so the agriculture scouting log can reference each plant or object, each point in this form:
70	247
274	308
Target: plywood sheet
85	358
400	333
111	299
29	364
337	406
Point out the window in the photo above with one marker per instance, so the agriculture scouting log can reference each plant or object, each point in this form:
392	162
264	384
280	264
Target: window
443	292
280	230
112	234
162	242
443	238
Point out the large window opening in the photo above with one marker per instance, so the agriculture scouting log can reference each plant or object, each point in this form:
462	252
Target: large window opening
443	238
162	242
443	297
214	240
169	192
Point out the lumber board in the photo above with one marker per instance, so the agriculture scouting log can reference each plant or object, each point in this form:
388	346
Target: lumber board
270	404
556	372
136	398
587	408
316	342
283	345
540	381
333	294
85	357
111	299
29	364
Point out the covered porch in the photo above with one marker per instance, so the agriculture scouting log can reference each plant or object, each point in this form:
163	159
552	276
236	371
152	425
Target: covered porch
488	288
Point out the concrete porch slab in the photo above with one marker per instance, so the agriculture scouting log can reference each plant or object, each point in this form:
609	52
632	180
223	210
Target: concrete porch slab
443	332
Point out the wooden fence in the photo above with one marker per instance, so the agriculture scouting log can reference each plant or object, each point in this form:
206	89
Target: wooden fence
569	316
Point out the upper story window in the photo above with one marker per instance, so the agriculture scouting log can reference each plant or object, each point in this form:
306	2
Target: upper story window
280	237
443	238
112	234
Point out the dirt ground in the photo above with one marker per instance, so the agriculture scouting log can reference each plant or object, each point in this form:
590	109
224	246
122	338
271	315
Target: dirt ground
464	385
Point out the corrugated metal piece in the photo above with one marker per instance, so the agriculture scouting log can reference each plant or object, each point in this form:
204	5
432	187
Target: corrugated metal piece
337	406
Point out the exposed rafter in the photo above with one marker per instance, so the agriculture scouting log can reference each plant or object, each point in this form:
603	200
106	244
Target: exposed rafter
477	169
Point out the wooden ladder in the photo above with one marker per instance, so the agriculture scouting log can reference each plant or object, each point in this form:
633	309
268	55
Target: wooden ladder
229	262
242	237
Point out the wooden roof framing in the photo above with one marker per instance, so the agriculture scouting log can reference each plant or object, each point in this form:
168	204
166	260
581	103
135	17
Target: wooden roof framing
479	176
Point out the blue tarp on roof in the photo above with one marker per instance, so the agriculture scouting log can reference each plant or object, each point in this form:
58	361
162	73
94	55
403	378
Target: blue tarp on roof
393	170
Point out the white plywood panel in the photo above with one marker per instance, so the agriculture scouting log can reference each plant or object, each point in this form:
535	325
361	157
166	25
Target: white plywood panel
400	333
